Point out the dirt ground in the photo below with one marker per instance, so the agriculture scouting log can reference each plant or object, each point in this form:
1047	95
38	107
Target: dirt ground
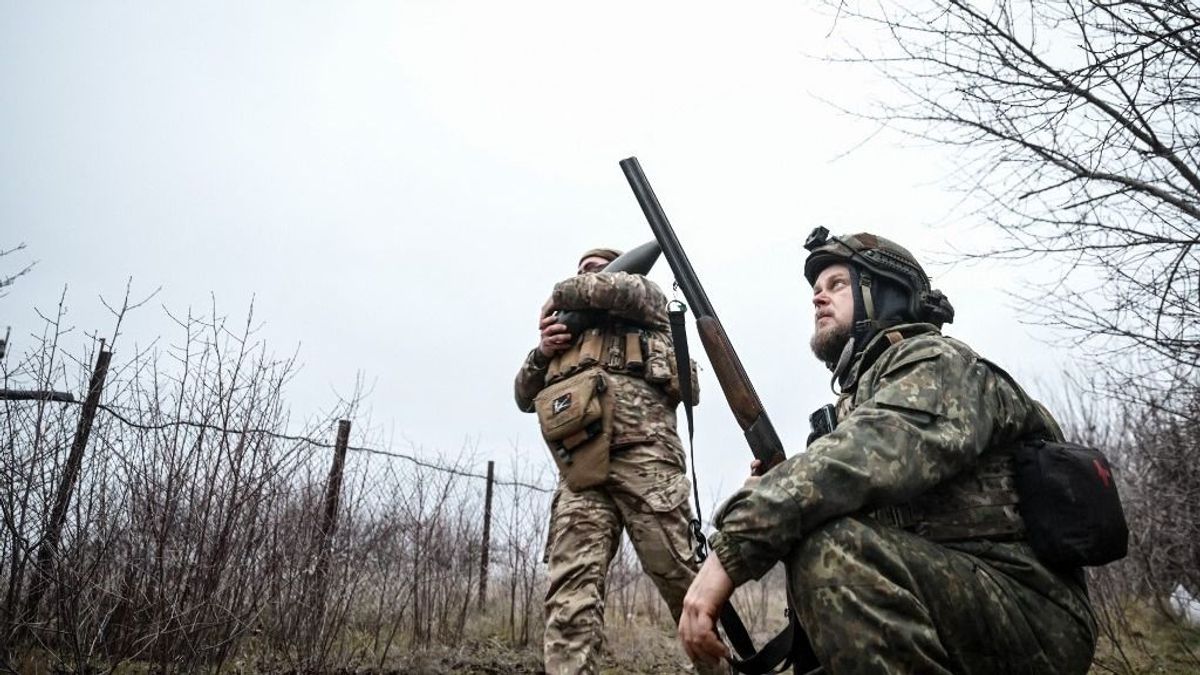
1150	643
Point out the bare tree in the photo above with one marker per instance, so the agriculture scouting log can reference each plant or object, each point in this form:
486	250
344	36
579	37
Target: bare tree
1077	120
8	279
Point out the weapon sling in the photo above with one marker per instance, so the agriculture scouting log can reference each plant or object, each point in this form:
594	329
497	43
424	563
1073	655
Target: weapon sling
778	653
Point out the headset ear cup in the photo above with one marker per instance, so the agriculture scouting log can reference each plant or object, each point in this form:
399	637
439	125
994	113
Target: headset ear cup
938	309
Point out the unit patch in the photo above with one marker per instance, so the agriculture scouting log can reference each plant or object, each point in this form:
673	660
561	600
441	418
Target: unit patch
561	403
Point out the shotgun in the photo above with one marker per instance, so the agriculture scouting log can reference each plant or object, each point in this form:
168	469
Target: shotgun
739	392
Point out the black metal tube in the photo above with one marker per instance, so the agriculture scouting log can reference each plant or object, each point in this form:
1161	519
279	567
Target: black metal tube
638	260
684	274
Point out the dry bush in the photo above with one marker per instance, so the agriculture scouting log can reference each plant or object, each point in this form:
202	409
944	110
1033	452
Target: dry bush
1151	444
193	541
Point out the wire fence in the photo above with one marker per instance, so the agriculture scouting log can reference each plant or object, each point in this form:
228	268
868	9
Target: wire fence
313	442
176	517
181	520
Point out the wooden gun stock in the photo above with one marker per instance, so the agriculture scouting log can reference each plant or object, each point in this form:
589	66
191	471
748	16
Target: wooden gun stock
739	393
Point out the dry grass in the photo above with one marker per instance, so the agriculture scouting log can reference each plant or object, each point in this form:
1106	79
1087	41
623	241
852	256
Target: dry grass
1150	642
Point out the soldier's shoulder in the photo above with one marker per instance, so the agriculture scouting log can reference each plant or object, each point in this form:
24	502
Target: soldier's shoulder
925	347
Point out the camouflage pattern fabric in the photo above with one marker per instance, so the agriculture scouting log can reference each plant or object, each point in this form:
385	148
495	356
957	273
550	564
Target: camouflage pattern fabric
921	422
646	492
647	495
876	599
632	297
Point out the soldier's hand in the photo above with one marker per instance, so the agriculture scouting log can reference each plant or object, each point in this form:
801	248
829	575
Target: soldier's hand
555	338
756	474
698	623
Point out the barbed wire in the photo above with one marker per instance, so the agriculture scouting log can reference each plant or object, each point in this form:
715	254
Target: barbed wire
206	426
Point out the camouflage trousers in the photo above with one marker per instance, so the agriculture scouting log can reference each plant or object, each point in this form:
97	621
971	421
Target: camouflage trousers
647	495
876	599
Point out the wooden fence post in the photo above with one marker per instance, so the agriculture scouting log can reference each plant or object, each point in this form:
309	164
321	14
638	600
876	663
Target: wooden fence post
325	529
333	494
487	534
58	516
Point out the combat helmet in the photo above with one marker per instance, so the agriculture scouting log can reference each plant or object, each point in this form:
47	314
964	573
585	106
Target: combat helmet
890	287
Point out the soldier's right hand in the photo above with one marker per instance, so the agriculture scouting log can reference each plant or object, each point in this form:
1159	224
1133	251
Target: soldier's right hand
555	338
711	589
756	473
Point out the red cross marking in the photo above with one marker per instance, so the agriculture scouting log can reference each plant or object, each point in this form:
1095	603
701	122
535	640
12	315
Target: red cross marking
1101	471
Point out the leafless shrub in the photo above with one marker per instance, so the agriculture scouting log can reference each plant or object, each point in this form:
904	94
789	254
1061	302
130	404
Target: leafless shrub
192	537
521	544
1152	450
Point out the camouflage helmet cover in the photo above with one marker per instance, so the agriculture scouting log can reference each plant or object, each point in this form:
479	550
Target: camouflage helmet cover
884	258
877	254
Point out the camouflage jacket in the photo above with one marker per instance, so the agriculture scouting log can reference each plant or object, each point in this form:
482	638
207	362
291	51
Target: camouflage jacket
926	424
642	412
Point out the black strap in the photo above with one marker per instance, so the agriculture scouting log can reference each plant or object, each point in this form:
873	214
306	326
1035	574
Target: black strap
683	368
789	648
784	649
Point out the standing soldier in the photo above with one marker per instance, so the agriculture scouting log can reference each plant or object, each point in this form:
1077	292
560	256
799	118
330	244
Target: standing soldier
606	402
899	529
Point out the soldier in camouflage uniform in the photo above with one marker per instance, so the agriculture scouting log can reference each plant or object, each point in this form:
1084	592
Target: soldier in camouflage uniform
898	530
647	487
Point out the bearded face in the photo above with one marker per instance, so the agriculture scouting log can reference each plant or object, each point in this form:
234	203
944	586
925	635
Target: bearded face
827	344
833	305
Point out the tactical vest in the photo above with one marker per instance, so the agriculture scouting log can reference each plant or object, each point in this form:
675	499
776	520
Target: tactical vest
624	349
978	503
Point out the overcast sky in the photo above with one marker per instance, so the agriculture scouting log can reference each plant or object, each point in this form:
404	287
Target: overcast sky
398	185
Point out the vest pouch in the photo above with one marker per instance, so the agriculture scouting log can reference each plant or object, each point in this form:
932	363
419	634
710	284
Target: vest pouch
591	347
575	415
1069	502
564	364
